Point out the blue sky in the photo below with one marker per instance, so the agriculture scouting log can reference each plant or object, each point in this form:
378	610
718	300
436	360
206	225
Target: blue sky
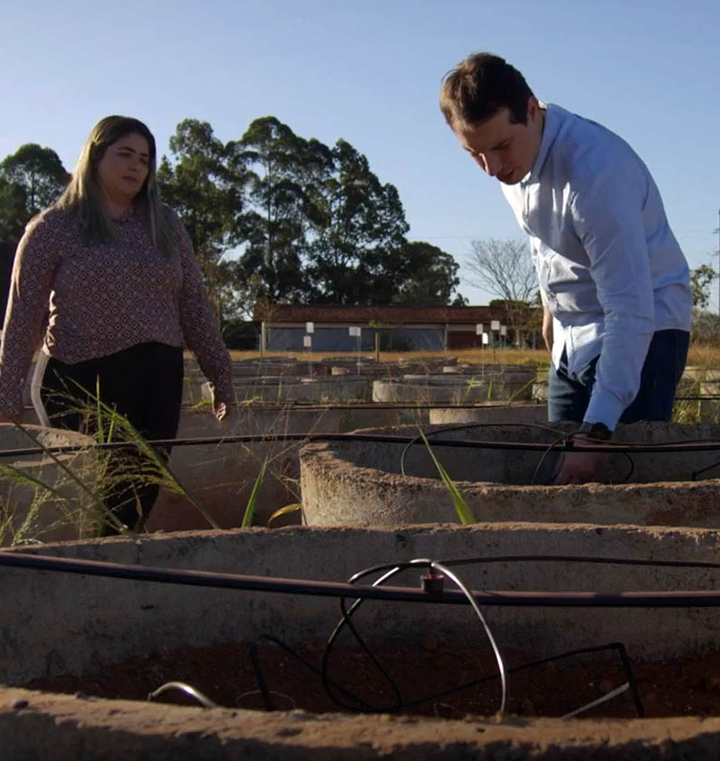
369	71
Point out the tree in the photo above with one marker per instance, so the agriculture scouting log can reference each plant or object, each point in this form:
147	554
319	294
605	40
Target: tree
311	223
701	279
30	180
705	325
505	268
38	173
355	257
13	211
204	183
427	275
705	328
12	216
286	173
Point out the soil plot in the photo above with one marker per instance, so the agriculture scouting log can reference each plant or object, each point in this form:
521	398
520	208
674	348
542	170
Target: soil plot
419	679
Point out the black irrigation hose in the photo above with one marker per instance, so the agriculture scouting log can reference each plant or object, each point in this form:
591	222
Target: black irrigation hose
346	621
625	662
571	444
683	599
463	427
545	455
207	440
295	406
361	705
631	680
269	705
696	473
307	664
644	599
404	704
694	445
630	472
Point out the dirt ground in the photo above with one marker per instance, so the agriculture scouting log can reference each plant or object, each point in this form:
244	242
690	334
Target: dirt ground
230	676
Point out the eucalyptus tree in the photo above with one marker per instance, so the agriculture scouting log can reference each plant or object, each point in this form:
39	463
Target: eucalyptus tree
13	211
203	181
353	257
38	174
285	190
426	275
30	180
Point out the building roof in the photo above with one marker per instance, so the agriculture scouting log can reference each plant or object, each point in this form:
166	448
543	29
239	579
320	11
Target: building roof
394	314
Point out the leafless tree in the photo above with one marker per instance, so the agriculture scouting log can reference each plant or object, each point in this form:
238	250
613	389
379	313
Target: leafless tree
505	269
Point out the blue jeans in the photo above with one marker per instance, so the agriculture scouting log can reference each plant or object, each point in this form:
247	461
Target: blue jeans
569	395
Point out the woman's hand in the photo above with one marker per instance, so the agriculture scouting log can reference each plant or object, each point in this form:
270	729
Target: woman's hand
221	410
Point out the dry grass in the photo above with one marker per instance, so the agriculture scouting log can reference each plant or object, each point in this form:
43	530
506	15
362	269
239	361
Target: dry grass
701	355
471	356
704	356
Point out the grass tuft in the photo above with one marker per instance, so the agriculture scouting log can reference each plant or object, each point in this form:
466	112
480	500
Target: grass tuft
462	508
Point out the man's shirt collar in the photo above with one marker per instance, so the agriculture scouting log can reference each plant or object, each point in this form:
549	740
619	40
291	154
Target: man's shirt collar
553	121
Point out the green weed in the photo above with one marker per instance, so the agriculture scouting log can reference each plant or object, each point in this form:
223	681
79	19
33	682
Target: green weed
462	508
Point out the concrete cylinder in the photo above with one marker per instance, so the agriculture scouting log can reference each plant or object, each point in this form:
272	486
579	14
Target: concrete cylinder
40	499
322	389
356	483
220	477
491	412
454	389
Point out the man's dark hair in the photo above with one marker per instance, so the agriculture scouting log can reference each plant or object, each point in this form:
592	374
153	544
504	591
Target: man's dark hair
479	86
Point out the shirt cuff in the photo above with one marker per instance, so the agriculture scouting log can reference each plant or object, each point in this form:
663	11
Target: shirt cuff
604	408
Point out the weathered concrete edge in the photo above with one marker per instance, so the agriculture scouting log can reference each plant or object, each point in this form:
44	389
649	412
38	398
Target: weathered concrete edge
328	456
54	623
68	727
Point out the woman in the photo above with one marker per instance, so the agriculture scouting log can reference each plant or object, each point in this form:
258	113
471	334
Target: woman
115	270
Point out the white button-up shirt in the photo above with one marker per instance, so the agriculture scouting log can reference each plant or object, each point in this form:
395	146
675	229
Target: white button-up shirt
609	267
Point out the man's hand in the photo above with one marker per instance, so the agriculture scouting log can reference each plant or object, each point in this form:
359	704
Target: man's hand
580	467
547	328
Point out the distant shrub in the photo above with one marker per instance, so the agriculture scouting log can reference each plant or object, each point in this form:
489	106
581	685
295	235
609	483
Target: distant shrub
388	342
706	328
239	334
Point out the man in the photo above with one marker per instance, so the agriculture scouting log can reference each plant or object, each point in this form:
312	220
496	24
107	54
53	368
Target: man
614	283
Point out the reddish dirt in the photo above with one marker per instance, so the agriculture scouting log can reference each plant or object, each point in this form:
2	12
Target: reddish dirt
225	674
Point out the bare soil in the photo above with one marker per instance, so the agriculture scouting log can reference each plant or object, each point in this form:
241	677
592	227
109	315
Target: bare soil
227	676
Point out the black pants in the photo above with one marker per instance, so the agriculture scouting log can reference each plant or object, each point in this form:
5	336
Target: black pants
143	384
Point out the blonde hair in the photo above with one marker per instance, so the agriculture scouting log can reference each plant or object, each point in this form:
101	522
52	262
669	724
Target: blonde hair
83	195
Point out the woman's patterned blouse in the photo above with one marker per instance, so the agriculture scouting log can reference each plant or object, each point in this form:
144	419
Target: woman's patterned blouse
94	300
